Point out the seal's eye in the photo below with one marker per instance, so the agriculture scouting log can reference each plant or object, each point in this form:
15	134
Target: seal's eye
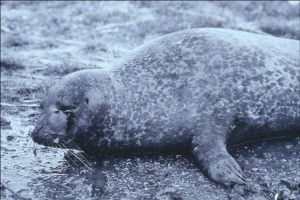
56	112
70	111
66	107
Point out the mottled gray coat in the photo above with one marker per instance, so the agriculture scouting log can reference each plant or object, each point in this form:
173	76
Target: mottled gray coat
196	90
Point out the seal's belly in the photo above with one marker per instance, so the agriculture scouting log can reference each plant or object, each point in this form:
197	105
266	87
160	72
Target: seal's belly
266	124
177	83
155	135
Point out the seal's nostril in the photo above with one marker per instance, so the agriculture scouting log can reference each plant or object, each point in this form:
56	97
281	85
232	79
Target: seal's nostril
34	134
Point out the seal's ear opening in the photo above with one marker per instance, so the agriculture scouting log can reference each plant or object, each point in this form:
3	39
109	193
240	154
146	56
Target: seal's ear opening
87	100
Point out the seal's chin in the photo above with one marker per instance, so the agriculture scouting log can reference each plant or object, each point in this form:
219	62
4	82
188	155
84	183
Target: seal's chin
53	140
48	138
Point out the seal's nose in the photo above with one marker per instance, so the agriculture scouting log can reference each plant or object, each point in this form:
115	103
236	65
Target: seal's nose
36	132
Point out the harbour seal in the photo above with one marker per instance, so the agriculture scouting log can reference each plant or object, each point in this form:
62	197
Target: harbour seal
197	89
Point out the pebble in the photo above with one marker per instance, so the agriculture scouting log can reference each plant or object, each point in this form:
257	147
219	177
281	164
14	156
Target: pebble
254	169
10	138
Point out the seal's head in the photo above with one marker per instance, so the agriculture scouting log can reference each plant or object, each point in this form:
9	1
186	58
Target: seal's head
69	108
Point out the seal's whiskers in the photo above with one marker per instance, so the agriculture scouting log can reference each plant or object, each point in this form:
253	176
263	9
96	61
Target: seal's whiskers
82	154
68	158
80	159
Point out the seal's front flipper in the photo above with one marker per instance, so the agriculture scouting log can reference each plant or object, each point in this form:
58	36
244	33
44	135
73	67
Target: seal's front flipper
209	151
216	162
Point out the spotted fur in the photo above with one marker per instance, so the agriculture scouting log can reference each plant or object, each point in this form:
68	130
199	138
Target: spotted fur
199	89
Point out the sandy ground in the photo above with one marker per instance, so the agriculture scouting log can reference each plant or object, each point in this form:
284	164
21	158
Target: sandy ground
43	41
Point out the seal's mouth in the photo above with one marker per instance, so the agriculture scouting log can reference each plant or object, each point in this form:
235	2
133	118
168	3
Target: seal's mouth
54	140
45	134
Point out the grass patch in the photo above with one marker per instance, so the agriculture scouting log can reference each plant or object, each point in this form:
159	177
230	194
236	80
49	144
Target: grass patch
10	64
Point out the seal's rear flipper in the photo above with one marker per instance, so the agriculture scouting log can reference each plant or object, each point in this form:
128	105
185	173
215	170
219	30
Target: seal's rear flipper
209	151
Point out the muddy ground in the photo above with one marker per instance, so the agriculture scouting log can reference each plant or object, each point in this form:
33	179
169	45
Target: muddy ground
43	41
